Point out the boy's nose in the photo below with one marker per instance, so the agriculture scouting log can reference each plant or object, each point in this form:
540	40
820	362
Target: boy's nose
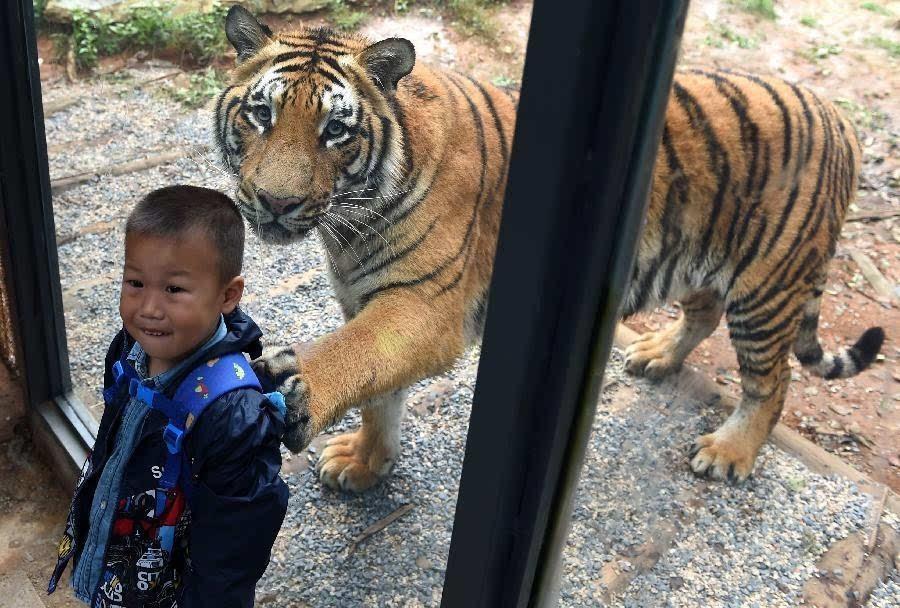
280	206
150	308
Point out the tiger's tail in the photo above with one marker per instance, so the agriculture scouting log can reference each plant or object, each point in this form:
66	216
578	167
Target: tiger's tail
848	362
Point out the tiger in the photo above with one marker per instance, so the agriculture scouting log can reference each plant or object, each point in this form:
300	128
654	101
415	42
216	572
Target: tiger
751	184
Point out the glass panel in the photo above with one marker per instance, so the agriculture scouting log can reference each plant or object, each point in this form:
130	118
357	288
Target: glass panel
645	530
137	120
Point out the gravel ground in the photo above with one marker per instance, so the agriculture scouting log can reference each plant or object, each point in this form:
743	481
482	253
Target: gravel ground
748	546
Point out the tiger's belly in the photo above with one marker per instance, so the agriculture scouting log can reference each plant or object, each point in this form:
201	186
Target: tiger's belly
752	181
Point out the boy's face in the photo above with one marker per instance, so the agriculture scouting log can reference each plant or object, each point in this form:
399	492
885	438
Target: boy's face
172	295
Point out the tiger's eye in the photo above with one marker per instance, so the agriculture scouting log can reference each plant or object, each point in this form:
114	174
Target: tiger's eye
335	128
263	114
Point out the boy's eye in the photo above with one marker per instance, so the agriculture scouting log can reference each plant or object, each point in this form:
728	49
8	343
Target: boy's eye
134	283
174	289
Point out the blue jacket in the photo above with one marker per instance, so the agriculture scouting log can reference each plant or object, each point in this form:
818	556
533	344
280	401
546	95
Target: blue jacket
235	500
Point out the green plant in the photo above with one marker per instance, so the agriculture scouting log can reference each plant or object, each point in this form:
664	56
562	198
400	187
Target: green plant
726	33
893	48
473	17
822	51
504	82
344	17
876	8
763	8
84	41
39	6
202	35
862	116
150	28
809	21
204	85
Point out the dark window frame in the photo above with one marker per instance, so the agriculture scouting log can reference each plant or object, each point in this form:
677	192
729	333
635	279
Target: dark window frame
595	87
60	421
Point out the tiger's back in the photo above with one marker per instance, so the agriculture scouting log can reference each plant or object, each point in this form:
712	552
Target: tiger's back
751	173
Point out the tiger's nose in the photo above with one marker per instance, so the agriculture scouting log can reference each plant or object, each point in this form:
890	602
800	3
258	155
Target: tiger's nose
280	206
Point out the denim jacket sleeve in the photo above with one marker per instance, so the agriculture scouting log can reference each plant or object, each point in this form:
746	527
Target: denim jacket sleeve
237	499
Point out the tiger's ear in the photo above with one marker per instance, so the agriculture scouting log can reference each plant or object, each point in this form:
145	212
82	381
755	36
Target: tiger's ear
245	33
388	61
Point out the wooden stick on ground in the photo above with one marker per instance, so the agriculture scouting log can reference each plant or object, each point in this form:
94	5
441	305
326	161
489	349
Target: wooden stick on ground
877	510
881	285
378	526
62	184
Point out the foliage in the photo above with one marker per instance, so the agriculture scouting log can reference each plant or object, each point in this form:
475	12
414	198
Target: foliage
863	117
876	8
39	6
822	51
197	36
763	8
893	48
344	17
473	17
204	85
724	33
809	21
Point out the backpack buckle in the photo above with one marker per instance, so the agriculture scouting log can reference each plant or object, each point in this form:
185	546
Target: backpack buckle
173	437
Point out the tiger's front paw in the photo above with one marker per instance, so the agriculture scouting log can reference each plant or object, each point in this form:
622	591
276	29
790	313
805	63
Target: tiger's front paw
723	455
277	370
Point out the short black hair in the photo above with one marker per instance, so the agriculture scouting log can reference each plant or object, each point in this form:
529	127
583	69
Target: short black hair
175	211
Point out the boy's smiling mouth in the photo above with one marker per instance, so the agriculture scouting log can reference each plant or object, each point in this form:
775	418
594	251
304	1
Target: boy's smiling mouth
153	333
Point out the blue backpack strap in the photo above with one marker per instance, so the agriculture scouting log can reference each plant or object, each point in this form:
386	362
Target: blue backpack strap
201	387
123	373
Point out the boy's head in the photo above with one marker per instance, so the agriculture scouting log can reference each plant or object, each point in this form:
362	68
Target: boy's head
184	247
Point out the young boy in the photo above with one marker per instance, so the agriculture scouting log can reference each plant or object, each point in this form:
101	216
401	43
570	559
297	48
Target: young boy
180	501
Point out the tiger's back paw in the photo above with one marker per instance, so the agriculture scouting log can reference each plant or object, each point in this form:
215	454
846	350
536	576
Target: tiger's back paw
354	463
652	355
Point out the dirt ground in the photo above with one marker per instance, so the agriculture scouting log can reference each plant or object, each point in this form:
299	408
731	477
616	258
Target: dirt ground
835	47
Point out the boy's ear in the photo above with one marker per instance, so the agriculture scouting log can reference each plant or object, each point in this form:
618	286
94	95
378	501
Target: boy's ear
232	292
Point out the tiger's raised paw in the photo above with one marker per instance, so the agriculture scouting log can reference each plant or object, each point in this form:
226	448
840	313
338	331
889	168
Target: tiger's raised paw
277	371
354	462
721	457
651	356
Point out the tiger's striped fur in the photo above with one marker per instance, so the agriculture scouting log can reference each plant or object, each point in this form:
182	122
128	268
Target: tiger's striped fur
751	186
753	180
423	162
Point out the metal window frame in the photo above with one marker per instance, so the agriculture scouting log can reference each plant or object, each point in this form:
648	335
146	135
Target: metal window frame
61	423
595	87
594	91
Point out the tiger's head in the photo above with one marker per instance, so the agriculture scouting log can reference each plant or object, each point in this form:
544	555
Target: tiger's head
307	120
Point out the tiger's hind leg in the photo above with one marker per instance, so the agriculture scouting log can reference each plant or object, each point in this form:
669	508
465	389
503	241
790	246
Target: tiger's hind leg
357	461
762	339
657	354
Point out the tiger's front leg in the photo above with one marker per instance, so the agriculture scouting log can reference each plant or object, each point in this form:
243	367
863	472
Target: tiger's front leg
368	362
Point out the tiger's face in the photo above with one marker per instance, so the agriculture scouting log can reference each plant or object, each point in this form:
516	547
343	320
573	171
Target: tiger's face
307	121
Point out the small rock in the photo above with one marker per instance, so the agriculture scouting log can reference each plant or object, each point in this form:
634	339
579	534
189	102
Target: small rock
839	409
